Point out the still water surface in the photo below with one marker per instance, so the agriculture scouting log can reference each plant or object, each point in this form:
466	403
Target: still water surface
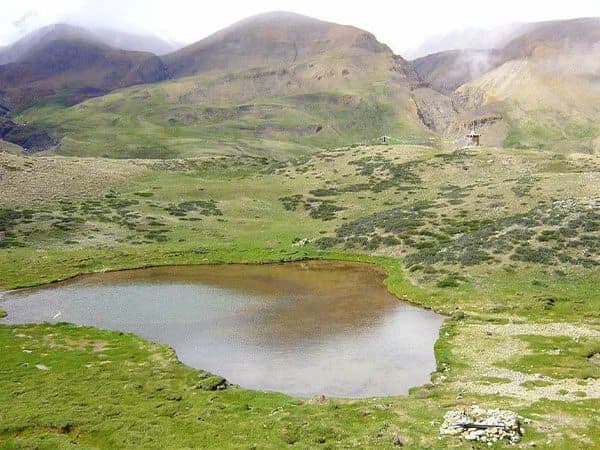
301	328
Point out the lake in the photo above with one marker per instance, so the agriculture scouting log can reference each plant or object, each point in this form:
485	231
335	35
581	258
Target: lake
306	329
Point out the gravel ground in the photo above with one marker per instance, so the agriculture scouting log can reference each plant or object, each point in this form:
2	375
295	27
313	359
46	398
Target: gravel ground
500	343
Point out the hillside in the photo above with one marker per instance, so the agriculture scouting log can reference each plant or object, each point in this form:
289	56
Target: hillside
277	84
547	90
546	37
69	65
539	91
282	84
24	48
277	39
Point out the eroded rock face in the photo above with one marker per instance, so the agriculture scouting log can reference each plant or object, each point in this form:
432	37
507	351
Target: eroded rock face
435	110
481	425
31	137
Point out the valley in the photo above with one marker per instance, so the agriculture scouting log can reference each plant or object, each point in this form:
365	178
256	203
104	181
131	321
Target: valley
263	144
531	289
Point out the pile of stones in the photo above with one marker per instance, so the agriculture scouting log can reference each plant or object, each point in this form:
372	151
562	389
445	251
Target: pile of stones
482	425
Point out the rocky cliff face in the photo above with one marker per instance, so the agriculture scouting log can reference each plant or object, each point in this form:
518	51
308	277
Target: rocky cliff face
31	138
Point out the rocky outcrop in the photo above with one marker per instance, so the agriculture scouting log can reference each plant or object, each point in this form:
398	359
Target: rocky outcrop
435	110
481	425
32	138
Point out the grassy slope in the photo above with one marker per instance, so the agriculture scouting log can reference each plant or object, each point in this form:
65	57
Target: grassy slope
282	112
8	147
523	273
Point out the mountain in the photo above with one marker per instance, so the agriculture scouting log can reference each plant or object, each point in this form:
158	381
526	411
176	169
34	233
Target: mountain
540	90
67	64
277	84
448	70
271	40
548	38
284	85
21	49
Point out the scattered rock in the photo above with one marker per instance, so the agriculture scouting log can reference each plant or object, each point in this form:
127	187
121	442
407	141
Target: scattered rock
398	441
41	367
301	242
212	383
481	425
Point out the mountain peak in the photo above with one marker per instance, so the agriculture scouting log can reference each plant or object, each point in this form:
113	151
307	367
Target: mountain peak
272	38
29	44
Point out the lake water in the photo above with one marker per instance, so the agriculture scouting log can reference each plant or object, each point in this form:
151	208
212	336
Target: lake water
305	328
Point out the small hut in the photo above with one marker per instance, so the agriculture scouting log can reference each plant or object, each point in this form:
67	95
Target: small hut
473	137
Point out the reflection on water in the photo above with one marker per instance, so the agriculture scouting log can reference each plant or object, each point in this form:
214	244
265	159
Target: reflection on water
301	328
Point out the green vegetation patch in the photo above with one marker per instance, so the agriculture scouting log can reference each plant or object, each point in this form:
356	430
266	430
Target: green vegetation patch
558	357
70	386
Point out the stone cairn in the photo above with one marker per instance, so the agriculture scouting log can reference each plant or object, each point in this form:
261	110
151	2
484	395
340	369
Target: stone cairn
482	425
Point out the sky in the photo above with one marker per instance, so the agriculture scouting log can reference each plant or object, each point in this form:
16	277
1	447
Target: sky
401	25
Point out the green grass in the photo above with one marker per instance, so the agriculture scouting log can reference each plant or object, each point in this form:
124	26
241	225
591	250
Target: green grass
462	221
124	392
232	114
551	131
569	358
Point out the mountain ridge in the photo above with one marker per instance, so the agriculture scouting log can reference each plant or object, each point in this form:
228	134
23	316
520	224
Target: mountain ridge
283	77
248	43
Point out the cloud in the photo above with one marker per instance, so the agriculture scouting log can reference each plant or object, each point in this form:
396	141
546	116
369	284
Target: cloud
402	25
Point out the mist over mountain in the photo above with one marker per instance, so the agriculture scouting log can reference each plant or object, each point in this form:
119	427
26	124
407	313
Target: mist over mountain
283	77
538	91
121	40
136	42
471	38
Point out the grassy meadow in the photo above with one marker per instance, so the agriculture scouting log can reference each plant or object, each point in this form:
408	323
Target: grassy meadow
504	242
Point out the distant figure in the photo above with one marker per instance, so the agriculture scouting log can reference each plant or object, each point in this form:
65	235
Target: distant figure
56	316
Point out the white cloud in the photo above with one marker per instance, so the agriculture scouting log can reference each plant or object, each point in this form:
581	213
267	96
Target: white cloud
401	25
